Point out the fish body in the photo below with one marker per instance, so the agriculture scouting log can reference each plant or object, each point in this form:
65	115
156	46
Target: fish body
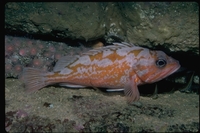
119	66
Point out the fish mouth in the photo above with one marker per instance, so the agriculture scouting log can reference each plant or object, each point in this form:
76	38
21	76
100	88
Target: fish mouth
174	67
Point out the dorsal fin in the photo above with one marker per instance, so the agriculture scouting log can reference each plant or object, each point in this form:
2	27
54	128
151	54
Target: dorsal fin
113	47
124	44
64	61
67	60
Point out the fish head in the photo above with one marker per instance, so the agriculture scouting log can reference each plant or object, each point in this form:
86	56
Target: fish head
154	66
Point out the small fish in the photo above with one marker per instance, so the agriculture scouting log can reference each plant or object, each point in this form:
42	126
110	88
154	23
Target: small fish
121	66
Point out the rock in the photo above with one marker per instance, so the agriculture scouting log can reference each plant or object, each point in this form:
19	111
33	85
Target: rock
171	25
80	21
25	52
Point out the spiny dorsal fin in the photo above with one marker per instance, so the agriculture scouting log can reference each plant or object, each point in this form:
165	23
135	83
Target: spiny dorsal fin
67	60
113	47
124	44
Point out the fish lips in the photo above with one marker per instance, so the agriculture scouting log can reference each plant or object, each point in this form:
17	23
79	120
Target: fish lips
171	67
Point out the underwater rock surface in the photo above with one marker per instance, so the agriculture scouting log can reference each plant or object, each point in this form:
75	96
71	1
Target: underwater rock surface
58	109
24	52
173	25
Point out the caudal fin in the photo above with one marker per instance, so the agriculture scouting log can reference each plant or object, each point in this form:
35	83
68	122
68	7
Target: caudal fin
34	79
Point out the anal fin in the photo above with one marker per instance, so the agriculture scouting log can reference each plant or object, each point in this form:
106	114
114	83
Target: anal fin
71	85
111	90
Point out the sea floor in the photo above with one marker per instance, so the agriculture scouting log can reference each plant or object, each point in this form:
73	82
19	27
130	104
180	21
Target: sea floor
59	109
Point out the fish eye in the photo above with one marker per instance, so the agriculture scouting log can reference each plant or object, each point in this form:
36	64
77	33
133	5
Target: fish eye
161	63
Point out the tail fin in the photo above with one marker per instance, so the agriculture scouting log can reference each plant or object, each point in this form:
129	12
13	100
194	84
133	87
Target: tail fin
34	79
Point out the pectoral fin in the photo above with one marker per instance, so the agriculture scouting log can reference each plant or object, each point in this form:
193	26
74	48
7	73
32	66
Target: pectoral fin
131	91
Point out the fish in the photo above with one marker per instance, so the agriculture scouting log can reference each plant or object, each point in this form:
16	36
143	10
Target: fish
121	66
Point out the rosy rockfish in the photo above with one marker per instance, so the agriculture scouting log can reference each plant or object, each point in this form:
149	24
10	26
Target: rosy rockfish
121	66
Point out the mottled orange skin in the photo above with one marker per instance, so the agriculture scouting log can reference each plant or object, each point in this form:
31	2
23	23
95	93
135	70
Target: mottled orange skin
89	80
114	67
